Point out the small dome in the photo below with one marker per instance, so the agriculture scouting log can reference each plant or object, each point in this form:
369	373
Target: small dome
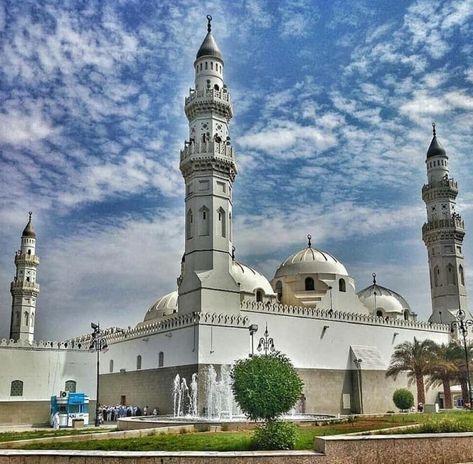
29	231
250	280
311	261
209	48
165	306
435	149
385	299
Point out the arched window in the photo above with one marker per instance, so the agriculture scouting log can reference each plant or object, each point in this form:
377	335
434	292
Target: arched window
211	65
309	284
342	285
138	362
450	274
259	296
216	87
406	314
462	276
230	226
379	313
189	224
32	319
16	388
110	366
161	359
279	289
203	221
29	251
221	222
27	318
436	276
70	386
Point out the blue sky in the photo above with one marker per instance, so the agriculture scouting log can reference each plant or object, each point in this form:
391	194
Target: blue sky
333	106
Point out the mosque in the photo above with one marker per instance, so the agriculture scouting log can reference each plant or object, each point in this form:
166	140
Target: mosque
339	339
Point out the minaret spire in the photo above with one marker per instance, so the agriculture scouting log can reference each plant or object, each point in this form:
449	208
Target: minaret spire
24	288
208	166
443	235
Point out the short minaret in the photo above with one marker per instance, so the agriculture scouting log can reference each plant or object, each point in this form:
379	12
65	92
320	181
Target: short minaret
24	289
209	169
443	236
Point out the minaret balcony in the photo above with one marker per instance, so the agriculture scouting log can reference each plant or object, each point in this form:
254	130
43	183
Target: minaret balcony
208	100
447	186
24	285
29	260
452	223
207	150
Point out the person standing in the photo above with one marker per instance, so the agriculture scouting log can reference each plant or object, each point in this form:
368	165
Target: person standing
56	420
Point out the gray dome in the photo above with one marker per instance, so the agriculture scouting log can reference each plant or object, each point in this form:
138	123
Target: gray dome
29	231
435	149
209	48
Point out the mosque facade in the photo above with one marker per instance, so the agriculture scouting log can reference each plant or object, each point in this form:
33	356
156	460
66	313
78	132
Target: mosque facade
339	339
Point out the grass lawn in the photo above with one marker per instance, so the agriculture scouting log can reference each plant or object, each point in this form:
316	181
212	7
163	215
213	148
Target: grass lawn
29	434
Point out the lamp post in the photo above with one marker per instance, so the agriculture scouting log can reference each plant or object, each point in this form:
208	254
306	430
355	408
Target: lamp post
253	328
266	343
98	344
461	323
358	362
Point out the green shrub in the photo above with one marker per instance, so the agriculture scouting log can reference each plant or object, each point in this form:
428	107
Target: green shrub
266	386
403	399
275	435
443	425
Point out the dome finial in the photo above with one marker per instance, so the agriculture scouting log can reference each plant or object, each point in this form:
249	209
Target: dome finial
309	238
374	278
30	214
433	129
209	26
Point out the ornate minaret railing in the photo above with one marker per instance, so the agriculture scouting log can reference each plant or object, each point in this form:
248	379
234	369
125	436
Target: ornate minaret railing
24	289
443	236
208	165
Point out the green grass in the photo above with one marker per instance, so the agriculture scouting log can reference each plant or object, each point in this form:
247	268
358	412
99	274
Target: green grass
30	434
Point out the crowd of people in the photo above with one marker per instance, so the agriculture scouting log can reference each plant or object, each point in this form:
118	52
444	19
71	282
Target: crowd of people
113	413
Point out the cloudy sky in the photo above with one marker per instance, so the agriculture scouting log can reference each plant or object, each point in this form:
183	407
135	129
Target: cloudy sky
333	106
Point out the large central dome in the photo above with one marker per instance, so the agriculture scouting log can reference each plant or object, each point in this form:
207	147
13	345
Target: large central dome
311	261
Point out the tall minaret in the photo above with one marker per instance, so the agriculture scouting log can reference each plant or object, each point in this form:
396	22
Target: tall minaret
24	289
443	236
209	169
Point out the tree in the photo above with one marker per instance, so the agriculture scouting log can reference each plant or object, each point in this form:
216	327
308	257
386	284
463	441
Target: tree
265	387
403	399
461	375
414	358
444	369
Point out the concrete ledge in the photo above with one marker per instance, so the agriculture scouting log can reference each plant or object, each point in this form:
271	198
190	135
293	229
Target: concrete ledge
422	448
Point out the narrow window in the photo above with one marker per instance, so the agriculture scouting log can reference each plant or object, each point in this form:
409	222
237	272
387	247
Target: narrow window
342	285
436	276
70	386
279	289
462	276
259	296
309	284
27	318
29	252
221	222
161	359
206	65
450	275
110	366
201	66
204	221
406	315
32	319
189	220
211	65
27	279
16	388
230	226
138	362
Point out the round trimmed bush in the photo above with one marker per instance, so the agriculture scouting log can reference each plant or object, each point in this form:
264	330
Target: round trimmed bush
403	399
266	386
275	435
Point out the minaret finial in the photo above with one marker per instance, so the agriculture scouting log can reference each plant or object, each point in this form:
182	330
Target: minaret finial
374	278
209	26
309	238
30	214
433	129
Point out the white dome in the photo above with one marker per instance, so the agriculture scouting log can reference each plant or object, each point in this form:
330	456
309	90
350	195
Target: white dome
311	261
165	306
386	300
250	280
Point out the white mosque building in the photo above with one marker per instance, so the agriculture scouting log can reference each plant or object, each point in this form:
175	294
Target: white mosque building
340	340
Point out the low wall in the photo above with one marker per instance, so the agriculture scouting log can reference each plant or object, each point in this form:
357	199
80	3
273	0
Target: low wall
422	448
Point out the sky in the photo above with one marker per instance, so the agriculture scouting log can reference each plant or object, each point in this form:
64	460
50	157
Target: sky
333	104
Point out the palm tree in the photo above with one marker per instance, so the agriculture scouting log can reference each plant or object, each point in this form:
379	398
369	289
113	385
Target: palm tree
415	359
444	369
461	376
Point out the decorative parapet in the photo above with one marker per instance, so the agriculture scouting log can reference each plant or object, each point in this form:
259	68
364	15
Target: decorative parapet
24	258
70	345
23	284
454	222
208	99
444	183
115	335
342	316
207	149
